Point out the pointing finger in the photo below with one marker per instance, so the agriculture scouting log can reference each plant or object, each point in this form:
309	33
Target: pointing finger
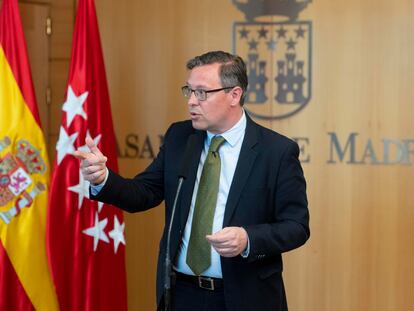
92	146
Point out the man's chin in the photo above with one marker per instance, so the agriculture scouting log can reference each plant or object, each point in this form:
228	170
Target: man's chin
198	125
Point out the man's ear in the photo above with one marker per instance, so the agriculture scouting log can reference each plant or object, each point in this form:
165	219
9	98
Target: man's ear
236	94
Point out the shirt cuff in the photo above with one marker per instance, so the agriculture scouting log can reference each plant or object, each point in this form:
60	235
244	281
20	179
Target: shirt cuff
95	189
246	252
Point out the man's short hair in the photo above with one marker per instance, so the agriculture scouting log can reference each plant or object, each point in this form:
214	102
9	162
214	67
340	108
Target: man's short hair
232	71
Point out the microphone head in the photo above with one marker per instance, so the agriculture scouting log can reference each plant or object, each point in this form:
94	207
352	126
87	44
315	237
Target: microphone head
189	150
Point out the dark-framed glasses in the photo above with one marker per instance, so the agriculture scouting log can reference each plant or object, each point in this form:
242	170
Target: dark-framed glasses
201	94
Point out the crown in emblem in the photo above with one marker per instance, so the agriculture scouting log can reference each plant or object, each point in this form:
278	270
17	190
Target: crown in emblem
256	8
30	156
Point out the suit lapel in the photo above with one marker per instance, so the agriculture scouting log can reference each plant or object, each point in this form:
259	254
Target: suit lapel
188	185
244	166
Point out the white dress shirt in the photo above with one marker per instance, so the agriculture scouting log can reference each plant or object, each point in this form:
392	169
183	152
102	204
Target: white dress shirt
229	155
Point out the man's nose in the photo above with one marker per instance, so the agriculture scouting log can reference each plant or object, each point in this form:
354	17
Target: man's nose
192	100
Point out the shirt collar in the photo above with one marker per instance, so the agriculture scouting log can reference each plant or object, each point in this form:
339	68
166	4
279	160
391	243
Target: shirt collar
232	135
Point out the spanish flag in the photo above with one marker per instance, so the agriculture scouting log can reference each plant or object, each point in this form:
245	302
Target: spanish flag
25	279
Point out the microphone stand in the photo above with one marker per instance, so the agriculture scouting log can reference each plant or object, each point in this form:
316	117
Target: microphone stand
168	268
185	166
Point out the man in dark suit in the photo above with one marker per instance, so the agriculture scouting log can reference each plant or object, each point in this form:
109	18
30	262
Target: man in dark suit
242	205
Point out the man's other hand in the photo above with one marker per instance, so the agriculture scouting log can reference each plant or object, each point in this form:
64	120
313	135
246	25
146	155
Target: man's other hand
229	242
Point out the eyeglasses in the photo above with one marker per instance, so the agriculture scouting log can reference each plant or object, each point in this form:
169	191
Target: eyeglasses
201	94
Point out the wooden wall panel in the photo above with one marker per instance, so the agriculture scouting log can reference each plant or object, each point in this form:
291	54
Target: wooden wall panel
63	22
34	16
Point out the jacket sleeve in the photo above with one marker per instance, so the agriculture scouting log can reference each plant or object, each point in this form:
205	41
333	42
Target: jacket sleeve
144	191
289	226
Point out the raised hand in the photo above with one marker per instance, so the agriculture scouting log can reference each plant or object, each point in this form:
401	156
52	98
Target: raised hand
92	164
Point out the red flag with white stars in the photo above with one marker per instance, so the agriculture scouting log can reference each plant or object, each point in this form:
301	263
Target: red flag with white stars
86	241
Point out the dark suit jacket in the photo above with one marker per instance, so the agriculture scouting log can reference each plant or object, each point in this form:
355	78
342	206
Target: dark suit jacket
267	197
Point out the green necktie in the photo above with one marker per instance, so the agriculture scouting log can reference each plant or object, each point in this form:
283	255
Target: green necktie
199	249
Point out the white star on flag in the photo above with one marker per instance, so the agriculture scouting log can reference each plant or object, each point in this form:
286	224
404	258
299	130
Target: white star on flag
82	189
74	106
117	234
64	145
97	232
96	140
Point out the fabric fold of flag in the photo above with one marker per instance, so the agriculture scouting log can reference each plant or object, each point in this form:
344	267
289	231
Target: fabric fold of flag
86	243
25	278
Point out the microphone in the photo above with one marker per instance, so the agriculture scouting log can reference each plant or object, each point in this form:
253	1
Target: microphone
185	167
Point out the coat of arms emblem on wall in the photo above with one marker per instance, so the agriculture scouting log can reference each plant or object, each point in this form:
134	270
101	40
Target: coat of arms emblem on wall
277	49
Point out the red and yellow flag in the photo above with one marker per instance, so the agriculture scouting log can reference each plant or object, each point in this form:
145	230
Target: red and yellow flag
25	280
